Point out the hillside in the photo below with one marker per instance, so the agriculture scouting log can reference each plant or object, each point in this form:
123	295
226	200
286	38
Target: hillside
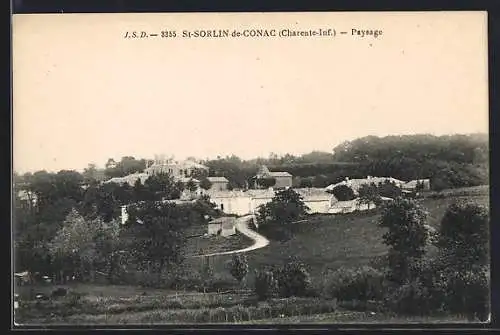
327	242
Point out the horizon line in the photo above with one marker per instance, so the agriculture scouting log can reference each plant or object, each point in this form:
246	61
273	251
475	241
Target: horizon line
216	157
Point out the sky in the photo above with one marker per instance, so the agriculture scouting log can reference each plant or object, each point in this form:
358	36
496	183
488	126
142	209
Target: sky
82	93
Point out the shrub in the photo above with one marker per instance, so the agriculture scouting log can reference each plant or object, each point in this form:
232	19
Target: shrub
468	293
239	267
406	237
464	235
412	298
343	193
364	283
293	279
266	285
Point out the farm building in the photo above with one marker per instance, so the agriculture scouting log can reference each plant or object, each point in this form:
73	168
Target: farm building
316	199
342	207
248	202
231	202
222	226
412	185
355	184
176	169
218	183
283	179
129	179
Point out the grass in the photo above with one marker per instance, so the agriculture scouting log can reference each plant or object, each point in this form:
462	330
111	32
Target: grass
347	317
212	244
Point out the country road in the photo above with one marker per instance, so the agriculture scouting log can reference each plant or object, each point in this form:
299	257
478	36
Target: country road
242	226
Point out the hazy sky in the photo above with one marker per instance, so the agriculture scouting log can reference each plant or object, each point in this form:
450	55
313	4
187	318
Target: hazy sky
83	93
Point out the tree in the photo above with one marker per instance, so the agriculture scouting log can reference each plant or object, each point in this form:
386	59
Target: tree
162	186
239	267
89	173
266	285
266	182
191	186
464	236
389	190
205	184
157	231
286	207
343	193
369	194
293	279
83	244
406	237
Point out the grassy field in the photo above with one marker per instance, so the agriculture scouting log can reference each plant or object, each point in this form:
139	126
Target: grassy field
325	242
87	305
212	244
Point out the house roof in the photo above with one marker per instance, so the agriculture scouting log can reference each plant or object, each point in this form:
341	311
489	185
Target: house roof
355	184
313	194
214	194
261	194
186	179
413	183
280	174
218	179
130	179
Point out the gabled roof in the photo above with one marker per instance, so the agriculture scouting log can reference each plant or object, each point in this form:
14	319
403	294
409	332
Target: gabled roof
413	183
313	194
218	179
130	179
280	174
187	179
355	184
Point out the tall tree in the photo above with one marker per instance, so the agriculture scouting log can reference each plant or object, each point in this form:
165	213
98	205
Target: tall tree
369	194
158	231
407	236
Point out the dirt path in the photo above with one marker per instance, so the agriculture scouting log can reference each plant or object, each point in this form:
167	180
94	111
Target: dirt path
242	226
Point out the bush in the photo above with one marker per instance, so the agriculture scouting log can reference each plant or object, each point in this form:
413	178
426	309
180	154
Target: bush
363	284
266	285
412	298
464	235
239	267
343	193
468	293
293	280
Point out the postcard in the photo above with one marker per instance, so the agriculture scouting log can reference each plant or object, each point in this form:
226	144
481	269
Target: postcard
296	168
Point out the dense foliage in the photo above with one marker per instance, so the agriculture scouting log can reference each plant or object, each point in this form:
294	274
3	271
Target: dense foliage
343	193
406	237
239	267
277	218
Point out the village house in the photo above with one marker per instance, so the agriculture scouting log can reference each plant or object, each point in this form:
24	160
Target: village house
180	171
412	185
248	202
355	184
176	169
218	183
283	179
27	199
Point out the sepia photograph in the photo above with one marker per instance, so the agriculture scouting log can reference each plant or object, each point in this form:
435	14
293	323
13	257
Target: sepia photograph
250	168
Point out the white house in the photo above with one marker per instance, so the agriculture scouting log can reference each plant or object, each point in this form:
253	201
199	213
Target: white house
355	184
412	185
